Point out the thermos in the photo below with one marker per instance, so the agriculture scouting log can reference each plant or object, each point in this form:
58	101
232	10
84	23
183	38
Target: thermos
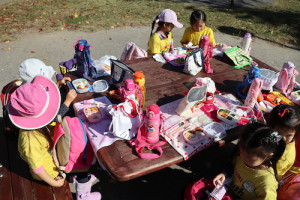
139	78
203	44
152	124
246	43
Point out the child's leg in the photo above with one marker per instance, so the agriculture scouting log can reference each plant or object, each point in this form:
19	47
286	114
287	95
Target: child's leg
83	182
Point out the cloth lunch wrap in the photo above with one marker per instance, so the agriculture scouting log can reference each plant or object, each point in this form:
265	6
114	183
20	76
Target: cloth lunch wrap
238	56
175	60
173	119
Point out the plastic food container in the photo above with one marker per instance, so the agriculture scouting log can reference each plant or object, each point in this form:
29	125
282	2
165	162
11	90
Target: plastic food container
193	137
81	85
228	116
215	130
100	86
93	114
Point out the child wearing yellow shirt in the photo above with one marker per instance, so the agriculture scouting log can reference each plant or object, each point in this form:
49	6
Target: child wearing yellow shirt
197	30
162	40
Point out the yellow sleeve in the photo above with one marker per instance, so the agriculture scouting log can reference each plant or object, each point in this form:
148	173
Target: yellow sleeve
287	159
186	37
30	149
211	36
154	44
268	192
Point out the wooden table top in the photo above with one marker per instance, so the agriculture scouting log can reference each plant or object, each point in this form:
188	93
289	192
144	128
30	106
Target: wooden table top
164	84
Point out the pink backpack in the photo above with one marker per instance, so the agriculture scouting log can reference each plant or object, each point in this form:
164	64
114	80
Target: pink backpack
71	148
153	123
197	190
132	51
286	79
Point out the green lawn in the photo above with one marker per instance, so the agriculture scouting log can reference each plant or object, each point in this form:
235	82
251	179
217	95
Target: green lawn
279	22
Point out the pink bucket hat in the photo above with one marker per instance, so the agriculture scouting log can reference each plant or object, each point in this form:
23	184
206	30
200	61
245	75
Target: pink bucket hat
34	105
169	16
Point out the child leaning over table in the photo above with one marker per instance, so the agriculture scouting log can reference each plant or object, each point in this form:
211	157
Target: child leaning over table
254	175
197	30
31	108
286	120
162	40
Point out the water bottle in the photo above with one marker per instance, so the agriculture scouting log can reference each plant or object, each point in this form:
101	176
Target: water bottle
203	44
246	43
152	124
139	78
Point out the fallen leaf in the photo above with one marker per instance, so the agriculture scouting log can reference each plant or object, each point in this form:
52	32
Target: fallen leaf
7	41
110	38
32	51
65	24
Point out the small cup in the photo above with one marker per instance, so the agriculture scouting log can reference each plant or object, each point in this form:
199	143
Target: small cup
175	51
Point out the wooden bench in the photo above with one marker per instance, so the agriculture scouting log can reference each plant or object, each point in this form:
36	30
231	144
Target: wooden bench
15	179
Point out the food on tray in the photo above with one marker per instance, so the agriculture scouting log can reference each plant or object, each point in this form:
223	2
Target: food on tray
81	85
194	136
228	116
93	114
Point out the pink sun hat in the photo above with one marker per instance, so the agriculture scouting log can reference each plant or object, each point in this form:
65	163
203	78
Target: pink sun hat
169	16
34	105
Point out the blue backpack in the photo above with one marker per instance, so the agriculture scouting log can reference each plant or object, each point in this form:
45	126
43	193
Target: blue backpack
83	60
242	88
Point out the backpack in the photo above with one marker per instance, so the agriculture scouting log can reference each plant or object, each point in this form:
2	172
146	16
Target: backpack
286	79
197	190
7	90
290	188
83	60
148	134
194	62
71	147
242	88
132	51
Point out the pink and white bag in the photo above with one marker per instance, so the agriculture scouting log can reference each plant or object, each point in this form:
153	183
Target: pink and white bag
286	79
132	51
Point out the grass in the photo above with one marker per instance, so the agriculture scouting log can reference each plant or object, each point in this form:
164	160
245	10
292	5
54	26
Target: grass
279	22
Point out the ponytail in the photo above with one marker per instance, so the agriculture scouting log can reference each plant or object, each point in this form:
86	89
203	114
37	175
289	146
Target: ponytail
153	24
277	155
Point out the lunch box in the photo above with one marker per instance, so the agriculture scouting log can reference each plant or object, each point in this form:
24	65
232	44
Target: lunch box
81	85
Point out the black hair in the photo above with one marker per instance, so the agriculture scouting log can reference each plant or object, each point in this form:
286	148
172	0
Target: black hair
284	116
261	140
196	16
160	24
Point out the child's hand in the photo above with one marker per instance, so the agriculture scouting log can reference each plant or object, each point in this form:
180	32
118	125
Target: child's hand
221	177
59	183
72	94
63	81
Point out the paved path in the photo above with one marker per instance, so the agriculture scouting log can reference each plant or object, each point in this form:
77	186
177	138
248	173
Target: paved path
227	3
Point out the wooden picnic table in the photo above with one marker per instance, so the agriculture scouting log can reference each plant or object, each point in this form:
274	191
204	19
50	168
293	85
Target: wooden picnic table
164	84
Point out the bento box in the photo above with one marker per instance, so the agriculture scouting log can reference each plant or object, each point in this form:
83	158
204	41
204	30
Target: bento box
81	85
93	114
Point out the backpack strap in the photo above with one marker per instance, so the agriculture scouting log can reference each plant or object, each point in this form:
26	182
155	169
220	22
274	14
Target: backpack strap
134	112
85	140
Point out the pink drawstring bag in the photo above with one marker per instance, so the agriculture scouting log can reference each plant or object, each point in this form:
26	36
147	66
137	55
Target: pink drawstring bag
196	190
132	51
286	79
207	48
290	189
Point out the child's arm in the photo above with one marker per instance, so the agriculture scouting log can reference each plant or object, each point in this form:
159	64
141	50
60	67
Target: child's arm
63	81
71	95
48	179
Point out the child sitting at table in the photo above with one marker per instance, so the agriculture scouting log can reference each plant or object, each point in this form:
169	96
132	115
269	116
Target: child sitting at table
254	175
197	30
31	108
286	120
162	40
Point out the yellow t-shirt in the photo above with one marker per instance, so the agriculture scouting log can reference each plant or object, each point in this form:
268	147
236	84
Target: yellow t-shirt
158	43
191	36
287	159
34	149
248	183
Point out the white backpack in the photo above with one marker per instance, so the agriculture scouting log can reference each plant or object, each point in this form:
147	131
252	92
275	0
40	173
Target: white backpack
194	62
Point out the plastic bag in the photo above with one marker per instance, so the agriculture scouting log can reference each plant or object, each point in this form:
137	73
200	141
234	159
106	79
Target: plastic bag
103	65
